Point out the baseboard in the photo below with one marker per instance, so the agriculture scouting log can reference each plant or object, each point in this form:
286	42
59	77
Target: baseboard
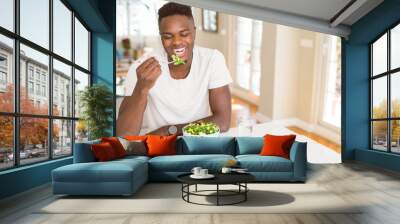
384	160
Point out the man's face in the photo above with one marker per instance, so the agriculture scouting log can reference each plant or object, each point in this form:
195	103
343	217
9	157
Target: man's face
177	35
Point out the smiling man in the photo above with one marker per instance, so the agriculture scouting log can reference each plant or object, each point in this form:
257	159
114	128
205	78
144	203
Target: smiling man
164	96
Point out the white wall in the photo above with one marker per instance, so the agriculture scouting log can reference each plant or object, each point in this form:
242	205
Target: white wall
267	91
286	73
209	39
306	77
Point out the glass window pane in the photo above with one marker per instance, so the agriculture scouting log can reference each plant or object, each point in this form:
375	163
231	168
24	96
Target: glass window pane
62	138
81	81
257	33
255	71
243	76
395	136
379	55
332	86
395	47
81	45
81	131
395	94
35	21
379	135
33	140
62	29
244	26
255	88
6	74
6	142
379	98
243	65
7	14
62	89
34	81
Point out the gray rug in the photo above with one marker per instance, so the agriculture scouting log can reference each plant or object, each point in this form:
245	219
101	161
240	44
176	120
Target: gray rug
166	198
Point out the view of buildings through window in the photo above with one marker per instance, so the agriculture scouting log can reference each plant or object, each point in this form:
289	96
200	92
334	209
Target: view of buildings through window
385	91
35	93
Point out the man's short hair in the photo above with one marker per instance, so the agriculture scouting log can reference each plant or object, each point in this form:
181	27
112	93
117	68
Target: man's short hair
171	9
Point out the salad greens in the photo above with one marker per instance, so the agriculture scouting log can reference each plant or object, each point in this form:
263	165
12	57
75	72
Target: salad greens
177	60
201	128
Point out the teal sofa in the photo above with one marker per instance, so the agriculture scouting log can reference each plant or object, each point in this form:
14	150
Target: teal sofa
125	176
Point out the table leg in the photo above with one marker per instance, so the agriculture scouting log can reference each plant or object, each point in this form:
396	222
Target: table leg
245	193
182	189
188	189
217	194
196	188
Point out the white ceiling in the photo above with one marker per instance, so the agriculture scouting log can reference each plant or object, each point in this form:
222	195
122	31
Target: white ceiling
315	15
321	9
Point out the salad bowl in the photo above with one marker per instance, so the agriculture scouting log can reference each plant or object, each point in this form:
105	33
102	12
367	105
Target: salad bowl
206	129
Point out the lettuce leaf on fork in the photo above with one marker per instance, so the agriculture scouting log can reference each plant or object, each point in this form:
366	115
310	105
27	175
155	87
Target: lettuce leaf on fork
177	60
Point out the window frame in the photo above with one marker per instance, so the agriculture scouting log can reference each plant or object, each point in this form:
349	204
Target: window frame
388	74
16	115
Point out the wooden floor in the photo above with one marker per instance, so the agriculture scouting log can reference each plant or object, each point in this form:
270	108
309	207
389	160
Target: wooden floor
378	189
323	141
239	105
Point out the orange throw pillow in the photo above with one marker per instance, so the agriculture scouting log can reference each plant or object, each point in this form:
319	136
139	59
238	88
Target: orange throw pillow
103	152
277	145
135	137
116	145
161	145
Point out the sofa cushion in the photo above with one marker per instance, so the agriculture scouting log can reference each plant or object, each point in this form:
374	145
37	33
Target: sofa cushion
185	163
116	145
103	152
249	145
131	158
134	147
83	152
159	145
111	171
196	145
277	145
257	163
135	137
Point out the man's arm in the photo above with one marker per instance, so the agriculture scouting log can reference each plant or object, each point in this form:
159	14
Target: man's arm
221	108
130	116
132	108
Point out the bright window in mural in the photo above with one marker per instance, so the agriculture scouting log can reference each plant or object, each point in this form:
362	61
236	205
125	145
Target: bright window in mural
385	91
137	34
45	131
248	54
332	83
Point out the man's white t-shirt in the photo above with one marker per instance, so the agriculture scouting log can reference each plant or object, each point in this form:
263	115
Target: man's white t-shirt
178	101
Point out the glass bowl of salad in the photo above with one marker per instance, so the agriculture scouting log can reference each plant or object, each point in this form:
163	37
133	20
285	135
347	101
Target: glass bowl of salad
209	129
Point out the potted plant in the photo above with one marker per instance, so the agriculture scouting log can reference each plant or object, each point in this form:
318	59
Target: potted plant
96	102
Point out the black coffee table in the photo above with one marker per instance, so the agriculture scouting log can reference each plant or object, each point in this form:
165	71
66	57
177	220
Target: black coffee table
238	179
